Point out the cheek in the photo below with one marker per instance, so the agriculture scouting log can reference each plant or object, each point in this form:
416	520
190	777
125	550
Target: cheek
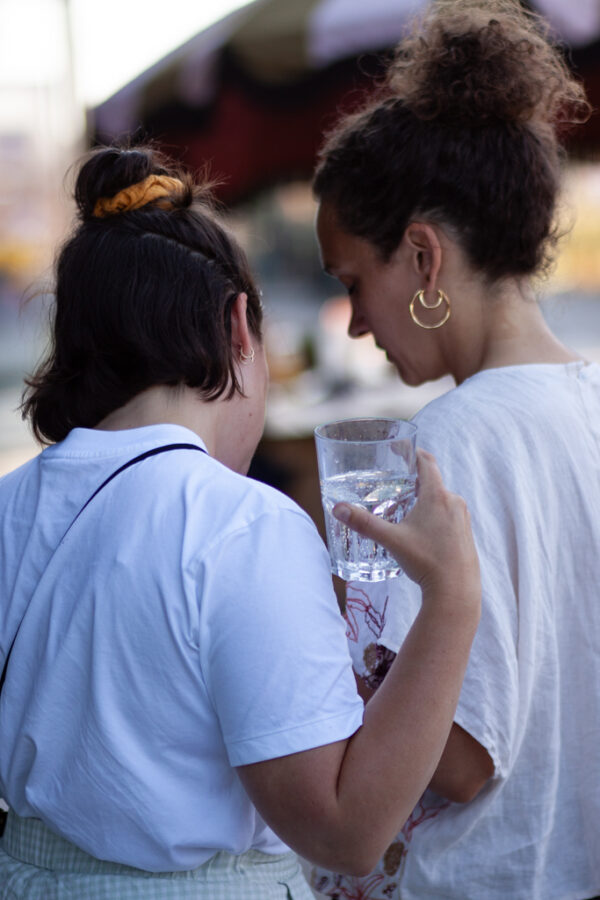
392	330
389	303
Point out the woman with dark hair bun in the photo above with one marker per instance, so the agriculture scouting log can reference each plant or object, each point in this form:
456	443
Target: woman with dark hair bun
437	211
177	704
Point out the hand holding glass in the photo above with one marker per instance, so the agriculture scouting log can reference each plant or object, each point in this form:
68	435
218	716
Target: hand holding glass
369	463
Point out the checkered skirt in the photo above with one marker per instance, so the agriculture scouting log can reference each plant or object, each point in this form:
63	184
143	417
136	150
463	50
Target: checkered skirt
36	864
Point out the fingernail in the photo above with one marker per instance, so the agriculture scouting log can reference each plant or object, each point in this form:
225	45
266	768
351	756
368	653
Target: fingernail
342	512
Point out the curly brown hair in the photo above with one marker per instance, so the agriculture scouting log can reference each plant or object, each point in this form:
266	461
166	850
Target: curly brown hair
465	131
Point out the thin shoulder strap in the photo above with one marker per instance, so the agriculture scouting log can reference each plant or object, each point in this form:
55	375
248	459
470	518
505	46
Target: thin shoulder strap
131	462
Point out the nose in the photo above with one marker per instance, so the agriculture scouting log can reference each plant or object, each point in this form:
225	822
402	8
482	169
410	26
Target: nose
357	326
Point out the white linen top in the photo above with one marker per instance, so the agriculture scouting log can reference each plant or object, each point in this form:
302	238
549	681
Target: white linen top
522	445
186	625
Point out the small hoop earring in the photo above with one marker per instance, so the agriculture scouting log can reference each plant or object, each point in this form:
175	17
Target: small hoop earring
247	359
441	298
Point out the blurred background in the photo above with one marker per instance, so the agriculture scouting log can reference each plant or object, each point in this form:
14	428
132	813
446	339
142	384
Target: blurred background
248	88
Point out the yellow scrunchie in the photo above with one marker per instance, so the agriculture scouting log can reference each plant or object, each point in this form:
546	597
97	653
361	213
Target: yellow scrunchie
151	188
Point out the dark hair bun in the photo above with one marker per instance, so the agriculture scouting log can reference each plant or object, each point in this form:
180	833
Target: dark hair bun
471	61
109	170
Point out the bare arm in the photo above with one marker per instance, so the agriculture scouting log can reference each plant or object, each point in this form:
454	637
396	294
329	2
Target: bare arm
465	765
340	805
464	768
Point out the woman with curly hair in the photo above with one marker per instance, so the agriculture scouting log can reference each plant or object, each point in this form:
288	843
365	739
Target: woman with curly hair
437	212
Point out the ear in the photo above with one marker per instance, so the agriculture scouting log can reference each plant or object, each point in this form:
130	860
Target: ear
241	338
426	252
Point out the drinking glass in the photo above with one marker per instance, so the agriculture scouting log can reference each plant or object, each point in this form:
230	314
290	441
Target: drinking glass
369	463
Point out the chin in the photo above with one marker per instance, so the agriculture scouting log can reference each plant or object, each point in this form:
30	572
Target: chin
412	379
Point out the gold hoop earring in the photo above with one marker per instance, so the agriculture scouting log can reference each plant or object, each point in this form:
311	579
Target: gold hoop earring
247	359
441	298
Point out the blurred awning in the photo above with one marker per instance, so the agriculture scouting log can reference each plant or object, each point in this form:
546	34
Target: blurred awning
253	94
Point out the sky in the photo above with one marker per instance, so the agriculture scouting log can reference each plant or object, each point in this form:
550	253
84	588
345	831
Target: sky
113	40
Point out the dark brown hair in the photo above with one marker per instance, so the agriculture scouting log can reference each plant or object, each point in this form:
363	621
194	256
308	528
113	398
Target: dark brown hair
143	298
463	132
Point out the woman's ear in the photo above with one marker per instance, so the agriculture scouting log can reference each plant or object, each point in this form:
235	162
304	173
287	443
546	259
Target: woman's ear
426	252
241	337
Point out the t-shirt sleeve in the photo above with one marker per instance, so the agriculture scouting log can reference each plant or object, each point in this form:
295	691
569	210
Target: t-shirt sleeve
273	649
471	464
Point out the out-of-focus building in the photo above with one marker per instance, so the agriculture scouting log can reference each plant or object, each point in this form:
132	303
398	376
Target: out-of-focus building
39	127
40	133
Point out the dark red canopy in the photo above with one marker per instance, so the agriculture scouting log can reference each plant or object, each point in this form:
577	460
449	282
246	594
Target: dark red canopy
253	96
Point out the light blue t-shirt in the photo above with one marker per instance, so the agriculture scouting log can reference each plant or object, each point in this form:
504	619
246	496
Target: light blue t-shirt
186	625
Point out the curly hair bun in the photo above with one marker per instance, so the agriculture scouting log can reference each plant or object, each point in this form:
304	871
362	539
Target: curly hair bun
475	60
109	170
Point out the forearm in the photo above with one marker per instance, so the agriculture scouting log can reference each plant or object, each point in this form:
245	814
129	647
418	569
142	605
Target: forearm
391	759
465	766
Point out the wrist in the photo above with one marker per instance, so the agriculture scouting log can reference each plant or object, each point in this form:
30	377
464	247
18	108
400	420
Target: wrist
460	599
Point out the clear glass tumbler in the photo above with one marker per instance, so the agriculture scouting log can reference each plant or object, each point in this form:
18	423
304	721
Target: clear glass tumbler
369	463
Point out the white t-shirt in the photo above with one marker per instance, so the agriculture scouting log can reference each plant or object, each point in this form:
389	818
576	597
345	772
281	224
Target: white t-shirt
186	625
522	446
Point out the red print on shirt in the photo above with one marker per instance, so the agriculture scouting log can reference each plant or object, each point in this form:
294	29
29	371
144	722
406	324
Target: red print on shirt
358	606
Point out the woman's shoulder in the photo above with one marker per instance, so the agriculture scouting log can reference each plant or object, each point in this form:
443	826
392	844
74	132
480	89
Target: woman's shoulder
19	504
17	482
238	500
457	408
466	427
495	399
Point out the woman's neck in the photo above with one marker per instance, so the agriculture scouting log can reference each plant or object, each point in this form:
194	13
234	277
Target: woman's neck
162	405
519	335
509	329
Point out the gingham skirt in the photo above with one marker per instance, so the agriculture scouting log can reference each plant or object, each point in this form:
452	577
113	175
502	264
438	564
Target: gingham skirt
38	865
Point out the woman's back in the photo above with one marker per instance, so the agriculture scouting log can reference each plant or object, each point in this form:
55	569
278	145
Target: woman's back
156	673
522	445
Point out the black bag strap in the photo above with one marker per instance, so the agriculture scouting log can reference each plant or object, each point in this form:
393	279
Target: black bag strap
131	462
